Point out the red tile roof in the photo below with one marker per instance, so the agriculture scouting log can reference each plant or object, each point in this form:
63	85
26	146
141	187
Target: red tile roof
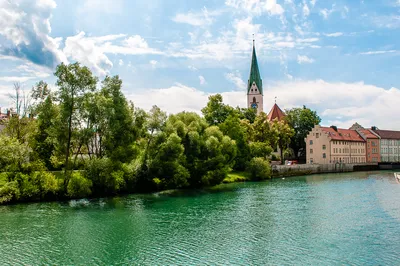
388	134
368	134
276	112
342	134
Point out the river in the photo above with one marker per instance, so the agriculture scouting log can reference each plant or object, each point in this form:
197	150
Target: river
332	219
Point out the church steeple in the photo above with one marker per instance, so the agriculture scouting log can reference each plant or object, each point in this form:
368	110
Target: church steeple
254	73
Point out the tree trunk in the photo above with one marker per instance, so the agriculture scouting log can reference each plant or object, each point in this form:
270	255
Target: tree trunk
66	177
281	149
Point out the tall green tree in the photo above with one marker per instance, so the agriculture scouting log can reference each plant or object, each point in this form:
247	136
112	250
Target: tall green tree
73	82
44	140
302	120
216	111
119	130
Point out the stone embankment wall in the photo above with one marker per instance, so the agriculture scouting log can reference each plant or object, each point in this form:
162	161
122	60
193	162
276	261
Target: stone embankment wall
307	169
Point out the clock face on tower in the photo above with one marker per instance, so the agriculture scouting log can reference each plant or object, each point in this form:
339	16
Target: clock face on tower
254	105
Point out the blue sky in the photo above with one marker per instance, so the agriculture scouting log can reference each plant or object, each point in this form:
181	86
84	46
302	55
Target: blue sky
337	57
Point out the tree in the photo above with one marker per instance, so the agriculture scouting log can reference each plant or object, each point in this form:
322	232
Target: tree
302	120
119	129
19	126
234	128
283	133
44	141
73	81
216	112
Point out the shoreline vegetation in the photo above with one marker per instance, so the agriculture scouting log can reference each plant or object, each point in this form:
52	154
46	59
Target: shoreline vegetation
86	140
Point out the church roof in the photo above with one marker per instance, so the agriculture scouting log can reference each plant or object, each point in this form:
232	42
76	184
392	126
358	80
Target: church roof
254	73
276	112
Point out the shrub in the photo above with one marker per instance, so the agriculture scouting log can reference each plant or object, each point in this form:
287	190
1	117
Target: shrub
259	169
79	186
103	176
9	192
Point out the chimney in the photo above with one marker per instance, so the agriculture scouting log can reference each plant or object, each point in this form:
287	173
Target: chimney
334	128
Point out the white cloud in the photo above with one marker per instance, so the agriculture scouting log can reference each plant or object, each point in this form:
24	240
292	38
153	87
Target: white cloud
153	63
25	25
15	79
193	68
388	21
256	7
325	12
306	10
86	51
335	34
202	80
350	101
121	62
312	2
178	98
196	19
302	59
378	52
236	79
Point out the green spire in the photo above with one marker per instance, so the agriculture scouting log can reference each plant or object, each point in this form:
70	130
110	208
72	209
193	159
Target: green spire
254	73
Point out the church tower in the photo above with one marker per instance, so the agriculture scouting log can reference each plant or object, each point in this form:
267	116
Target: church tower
254	85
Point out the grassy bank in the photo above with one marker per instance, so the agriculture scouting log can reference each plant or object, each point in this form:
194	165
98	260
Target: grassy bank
236	177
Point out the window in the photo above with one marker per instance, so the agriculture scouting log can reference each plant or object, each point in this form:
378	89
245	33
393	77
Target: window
324	155
317	135
324	147
311	160
254	99
311	151
340	150
251	89
311	142
255	89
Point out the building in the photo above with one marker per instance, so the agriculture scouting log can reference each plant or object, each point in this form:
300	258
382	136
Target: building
389	145
254	85
334	145
372	143
275	113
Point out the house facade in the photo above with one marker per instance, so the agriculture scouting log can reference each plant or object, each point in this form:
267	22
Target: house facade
326	145
389	145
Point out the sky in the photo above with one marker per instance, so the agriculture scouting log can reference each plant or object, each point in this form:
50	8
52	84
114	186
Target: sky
339	57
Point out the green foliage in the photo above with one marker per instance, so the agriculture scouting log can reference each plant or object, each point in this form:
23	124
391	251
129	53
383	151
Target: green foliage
260	149
283	133
13	154
302	120
9	192
259	169
74	82
216	112
79	186
104	177
37	185
44	140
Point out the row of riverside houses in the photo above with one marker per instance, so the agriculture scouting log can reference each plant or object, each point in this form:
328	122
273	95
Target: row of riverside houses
355	145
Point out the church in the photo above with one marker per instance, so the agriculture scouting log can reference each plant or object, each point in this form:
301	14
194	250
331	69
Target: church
255	92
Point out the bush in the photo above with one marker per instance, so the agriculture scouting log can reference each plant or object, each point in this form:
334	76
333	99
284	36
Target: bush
79	186
37	185
103	176
9	192
259	169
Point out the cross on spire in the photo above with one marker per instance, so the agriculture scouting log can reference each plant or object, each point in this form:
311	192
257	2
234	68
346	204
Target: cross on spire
275	99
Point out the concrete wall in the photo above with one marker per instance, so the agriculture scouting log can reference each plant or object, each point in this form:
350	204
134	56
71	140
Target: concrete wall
306	169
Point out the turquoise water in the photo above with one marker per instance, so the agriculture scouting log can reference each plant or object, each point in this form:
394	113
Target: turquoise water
336	219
